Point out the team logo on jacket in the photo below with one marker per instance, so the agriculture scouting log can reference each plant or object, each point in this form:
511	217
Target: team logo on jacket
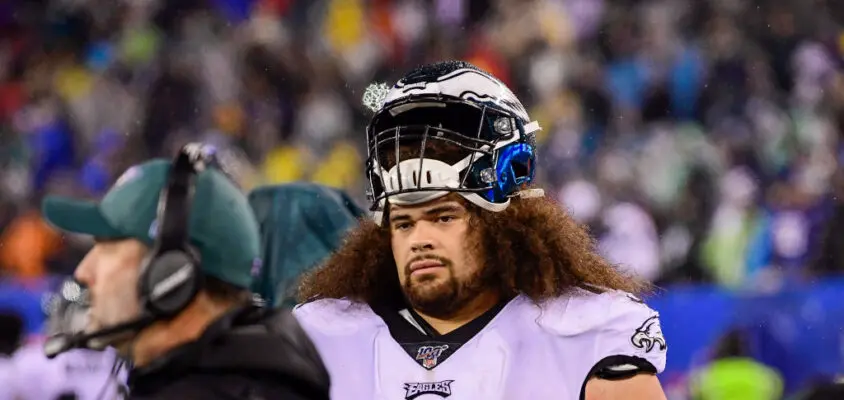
416	389
649	335
428	356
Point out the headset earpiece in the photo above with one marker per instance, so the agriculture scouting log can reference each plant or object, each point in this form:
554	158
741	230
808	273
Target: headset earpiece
170	282
171	274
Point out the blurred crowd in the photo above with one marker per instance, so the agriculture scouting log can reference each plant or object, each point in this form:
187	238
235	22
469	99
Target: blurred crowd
699	139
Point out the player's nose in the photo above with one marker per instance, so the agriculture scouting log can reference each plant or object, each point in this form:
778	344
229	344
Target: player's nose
422	238
419	247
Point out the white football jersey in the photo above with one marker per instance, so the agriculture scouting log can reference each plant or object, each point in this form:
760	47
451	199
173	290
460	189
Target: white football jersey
526	351
83	373
8	379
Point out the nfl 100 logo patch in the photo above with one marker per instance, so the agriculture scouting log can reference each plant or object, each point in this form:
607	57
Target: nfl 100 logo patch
428	356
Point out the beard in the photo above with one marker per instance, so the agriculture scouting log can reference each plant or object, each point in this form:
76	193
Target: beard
443	297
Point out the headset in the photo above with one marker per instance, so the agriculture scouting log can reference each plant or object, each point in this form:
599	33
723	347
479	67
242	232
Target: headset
170	274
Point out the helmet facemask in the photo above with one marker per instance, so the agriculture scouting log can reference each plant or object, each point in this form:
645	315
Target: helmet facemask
424	148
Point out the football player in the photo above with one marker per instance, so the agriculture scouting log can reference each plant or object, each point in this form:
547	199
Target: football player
469	284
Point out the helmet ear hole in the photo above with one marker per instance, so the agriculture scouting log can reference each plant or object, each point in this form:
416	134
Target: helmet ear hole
520	170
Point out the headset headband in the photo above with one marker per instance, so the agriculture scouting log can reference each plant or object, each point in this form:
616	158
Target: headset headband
175	203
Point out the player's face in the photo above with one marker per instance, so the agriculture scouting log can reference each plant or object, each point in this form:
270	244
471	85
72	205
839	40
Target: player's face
432	251
110	271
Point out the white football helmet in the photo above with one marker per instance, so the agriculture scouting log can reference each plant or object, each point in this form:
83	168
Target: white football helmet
457	106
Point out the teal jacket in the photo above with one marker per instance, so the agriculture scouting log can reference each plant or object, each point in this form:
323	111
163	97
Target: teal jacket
301	225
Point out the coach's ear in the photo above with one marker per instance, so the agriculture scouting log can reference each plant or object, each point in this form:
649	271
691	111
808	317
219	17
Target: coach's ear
638	387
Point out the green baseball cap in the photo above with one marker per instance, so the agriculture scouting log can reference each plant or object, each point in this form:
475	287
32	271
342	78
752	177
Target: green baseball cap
222	226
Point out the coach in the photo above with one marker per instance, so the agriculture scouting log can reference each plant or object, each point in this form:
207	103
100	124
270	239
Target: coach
176	250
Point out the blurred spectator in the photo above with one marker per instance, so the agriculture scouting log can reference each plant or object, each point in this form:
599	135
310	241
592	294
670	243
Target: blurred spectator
699	140
28	242
733	374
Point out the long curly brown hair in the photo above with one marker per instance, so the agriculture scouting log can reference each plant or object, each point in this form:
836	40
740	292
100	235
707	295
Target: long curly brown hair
533	248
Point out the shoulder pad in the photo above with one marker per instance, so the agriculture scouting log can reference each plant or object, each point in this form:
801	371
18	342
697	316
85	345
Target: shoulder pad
584	311
620	323
335	316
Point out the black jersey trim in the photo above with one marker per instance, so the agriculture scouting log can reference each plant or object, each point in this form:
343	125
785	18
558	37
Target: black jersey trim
431	348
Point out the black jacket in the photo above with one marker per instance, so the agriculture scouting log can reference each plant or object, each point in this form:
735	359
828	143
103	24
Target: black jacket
250	354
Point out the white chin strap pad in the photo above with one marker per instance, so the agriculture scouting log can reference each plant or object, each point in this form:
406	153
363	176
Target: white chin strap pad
428	173
419	173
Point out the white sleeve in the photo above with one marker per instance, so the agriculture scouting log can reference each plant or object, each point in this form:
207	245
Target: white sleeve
631	329
609	326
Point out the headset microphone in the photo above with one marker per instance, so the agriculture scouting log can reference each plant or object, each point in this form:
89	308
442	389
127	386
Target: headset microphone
62	342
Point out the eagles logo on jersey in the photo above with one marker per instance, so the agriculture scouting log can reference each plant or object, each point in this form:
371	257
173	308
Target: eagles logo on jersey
649	335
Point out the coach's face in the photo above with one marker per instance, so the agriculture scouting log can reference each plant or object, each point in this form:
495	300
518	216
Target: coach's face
110	271
435	259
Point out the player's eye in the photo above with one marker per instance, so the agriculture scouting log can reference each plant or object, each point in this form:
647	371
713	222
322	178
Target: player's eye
445	218
403	226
